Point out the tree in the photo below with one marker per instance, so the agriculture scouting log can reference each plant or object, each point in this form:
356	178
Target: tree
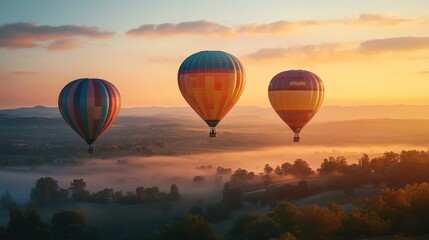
190	227
363	223
102	196
331	165
47	191
4	235
241	177
217	212
300	168
285	214
174	192
232	196
254	227
72	225
6	199
27	225
268	170
317	222
77	187
286	168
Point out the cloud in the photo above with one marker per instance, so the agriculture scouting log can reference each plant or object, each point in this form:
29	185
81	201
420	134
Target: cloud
279	27
205	27
423	72
378	19
201	27
24	73
28	35
332	52
304	53
394	44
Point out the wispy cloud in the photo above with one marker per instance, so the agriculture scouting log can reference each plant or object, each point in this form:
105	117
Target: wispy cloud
24	73
379	19
307	52
201	27
337	51
423	72
394	44
29	35
279	27
205	27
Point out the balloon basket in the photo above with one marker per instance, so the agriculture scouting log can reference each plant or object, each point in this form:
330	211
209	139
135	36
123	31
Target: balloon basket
212	132
91	149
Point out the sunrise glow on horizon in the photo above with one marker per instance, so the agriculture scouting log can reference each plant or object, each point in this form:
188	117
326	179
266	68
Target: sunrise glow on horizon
366	52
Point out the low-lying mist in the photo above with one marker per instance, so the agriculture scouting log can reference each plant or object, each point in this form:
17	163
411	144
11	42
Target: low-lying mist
127	173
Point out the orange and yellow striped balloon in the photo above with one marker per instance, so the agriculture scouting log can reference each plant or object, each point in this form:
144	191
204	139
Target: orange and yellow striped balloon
296	96
211	82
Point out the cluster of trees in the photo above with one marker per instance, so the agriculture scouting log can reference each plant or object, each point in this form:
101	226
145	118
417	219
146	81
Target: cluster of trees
393	212
47	191
290	191
245	179
220	211
27	225
403	211
391	169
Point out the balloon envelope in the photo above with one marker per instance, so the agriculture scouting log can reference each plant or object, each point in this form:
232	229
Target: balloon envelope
296	96
211	82
89	106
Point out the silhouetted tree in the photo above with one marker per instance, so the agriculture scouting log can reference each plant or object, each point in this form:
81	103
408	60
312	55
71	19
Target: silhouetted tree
331	165
190	227
254	227
174	192
268	170
285	214
300	168
47	191
217	212
317	222
363	223
6	199
102	196
77	187
241	177
70	225
223	171
4	235
232	195
27	225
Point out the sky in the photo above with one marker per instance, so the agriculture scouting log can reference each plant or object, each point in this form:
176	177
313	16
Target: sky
367	52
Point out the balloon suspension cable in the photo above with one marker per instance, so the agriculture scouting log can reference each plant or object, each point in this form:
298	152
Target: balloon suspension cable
296	137
212	132
91	149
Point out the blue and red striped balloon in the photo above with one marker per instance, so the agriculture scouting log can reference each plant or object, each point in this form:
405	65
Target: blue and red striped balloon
89	106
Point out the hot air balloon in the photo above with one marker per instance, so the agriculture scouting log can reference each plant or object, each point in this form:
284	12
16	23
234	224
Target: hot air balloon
296	95
211	82
89	106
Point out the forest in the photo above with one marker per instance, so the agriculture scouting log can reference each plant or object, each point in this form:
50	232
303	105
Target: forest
397	208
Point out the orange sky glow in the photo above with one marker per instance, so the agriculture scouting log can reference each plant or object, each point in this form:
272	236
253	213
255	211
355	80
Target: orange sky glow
367	55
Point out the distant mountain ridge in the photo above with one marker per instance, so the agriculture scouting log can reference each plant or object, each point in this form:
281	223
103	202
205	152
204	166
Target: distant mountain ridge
325	114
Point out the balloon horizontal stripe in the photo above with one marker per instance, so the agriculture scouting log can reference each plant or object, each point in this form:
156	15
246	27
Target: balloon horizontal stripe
207	71
211	82
296	96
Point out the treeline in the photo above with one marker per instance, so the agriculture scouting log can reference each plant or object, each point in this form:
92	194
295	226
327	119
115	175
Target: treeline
27	225
391	170
46	191
402	212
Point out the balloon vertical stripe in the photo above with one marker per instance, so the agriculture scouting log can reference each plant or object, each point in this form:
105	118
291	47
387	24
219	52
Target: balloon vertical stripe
89	106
